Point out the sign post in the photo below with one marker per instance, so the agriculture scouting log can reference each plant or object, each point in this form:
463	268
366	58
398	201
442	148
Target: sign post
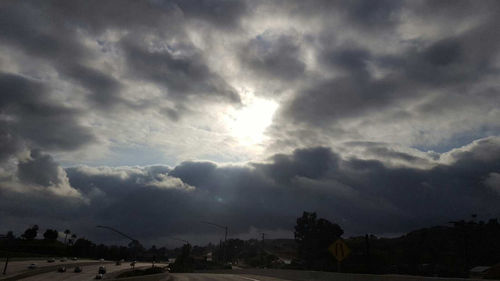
340	251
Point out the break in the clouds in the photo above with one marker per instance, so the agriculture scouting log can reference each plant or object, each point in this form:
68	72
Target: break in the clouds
380	115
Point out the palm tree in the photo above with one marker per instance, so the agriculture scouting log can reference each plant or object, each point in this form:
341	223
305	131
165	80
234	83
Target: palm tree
67	232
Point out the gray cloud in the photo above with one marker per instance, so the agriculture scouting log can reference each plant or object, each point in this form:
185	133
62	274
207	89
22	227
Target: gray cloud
363	87
362	195
405	84
57	43
273	56
224	14
183	76
39	169
34	120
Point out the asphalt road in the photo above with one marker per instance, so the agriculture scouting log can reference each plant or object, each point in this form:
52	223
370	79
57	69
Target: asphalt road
88	272
16	267
220	277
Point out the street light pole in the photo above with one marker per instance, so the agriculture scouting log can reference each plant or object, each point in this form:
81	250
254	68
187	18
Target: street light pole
134	242
225	236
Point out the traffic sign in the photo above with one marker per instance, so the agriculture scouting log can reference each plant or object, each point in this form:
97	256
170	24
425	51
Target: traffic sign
339	249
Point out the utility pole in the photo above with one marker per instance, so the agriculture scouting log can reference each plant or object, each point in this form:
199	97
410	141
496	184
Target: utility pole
367	242
262	249
225	237
7	258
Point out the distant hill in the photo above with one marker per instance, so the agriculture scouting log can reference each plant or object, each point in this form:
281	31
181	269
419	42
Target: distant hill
440	250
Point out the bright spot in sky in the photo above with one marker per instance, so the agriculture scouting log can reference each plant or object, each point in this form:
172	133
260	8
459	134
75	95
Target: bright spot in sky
248	124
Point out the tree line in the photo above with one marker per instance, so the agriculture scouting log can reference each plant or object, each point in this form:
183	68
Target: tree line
448	250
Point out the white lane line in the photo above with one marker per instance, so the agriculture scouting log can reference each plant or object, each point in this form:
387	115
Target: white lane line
248	278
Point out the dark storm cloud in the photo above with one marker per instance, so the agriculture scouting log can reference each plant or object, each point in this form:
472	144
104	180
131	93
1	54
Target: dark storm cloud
278	57
162	18
56	44
40	169
50	32
225	14
384	152
334	99
55	47
26	28
362	195
183	76
104	88
369	14
310	163
34	120
456	61
465	58
9	143
194	173
317	179
362	14
452	10
348	60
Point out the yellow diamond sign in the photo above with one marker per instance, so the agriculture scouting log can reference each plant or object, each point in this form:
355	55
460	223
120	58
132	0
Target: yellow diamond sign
339	249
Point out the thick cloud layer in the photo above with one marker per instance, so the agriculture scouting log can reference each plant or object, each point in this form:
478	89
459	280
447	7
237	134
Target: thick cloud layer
157	202
380	115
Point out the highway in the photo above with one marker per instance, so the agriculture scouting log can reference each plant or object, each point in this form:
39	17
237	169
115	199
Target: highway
301	275
48	271
220	277
88	272
17	267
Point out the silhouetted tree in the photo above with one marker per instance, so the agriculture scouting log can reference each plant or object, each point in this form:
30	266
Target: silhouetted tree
135	247
72	239
83	247
51	234
184	262
10	235
30	233
234	248
313	237
67	232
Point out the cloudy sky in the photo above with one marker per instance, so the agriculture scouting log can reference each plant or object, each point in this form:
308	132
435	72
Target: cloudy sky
151	116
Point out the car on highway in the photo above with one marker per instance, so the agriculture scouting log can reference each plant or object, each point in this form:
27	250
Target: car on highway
74	258
99	276
32	266
102	270
61	269
51	260
78	269
63	259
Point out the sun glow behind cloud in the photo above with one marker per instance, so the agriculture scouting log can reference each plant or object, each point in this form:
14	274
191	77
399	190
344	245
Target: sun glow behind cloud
248	123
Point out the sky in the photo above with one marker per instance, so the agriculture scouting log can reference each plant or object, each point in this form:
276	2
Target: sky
152	116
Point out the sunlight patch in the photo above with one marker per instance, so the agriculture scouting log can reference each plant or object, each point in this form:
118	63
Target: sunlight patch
248	124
